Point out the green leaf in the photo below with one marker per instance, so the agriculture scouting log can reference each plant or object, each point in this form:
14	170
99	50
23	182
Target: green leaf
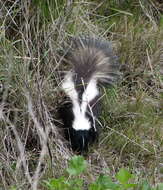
13	166
77	165
129	185
76	184
13	188
94	186
161	21
121	11
145	186
160	186
123	176
57	184
104	183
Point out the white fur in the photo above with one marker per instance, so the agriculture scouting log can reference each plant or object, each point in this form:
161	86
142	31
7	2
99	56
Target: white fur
80	121
89	94
69	88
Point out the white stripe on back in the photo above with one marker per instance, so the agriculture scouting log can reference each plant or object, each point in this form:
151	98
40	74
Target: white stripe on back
80	122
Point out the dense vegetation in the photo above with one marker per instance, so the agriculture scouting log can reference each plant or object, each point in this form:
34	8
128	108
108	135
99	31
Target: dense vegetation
33	153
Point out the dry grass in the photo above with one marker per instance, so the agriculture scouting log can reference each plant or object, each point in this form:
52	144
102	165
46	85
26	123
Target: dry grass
31	39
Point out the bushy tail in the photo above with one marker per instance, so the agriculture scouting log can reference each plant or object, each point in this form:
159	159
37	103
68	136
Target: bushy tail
93	58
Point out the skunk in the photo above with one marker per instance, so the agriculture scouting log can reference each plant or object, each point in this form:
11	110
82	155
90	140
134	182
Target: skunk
93	65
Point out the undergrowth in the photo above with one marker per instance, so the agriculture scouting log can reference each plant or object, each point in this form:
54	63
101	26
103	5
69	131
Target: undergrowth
33	153
123	179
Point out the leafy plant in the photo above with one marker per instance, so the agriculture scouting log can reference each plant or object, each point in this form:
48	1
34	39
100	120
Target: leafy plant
77	165
103	183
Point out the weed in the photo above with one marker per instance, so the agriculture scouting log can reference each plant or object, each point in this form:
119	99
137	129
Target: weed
103	182
32	37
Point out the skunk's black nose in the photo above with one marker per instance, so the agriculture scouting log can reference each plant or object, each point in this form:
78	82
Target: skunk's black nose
79	140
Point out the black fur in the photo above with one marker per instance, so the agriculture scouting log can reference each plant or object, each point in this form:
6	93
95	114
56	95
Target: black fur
76	137
85	54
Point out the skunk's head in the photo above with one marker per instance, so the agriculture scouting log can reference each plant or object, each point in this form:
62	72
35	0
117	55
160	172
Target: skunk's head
79	113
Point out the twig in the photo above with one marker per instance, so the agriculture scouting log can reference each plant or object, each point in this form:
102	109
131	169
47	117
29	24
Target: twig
20	57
